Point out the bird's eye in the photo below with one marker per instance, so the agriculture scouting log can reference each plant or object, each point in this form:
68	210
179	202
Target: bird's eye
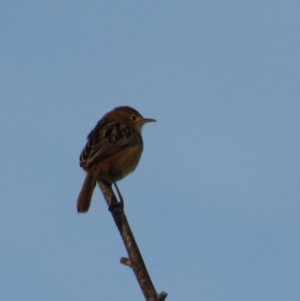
133	118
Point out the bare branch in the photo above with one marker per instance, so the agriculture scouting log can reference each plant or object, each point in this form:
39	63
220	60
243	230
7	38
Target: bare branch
134	260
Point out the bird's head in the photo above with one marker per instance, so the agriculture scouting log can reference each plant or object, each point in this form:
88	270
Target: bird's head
130	117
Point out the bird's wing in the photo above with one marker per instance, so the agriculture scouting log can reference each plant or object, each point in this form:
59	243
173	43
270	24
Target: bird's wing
104	141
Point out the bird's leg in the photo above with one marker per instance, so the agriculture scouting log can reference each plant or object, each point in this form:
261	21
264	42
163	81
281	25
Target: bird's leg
119	194
113	201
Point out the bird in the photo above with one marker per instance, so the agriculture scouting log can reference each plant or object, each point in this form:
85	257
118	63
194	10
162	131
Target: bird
112	151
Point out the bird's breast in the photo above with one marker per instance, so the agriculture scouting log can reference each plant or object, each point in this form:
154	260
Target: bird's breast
120	164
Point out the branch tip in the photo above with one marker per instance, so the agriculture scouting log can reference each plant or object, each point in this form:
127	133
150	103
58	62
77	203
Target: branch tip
162	296
126	261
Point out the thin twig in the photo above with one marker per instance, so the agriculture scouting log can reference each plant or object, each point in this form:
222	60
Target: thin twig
135	259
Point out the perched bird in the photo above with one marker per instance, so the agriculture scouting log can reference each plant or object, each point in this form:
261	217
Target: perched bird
112	151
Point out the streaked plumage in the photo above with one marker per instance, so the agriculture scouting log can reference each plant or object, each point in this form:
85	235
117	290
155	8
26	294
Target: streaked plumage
113	150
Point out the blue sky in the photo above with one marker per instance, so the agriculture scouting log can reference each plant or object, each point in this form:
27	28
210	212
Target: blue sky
214	202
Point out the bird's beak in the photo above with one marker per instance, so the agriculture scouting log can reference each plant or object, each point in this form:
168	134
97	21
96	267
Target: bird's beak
145	120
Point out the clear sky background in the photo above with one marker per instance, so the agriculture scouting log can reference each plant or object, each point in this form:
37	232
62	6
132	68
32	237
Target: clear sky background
214	203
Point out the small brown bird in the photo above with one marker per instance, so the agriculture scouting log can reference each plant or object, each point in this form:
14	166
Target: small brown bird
113	150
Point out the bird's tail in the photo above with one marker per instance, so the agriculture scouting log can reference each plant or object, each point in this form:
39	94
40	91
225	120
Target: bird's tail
86	193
